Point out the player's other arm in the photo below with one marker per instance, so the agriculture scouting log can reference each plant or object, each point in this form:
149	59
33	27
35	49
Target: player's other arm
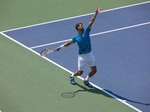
64	45
94	17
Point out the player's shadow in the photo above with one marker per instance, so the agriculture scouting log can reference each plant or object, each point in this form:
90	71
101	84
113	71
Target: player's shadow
93	90
126	99
84	89
98	91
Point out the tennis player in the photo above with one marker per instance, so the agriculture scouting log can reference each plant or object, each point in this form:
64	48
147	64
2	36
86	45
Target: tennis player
85	51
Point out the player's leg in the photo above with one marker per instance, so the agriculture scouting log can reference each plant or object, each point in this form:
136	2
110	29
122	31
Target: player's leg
78	73
72	79
81	64
91	73
91	63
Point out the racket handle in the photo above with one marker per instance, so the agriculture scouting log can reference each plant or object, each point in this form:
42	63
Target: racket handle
58	48
62	46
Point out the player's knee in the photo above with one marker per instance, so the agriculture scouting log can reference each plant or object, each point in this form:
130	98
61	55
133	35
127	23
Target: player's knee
94	71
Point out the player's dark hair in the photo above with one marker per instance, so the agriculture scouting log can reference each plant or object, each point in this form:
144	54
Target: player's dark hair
77	25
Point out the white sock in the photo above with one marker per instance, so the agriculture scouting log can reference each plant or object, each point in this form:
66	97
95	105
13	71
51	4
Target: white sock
72	75
87	78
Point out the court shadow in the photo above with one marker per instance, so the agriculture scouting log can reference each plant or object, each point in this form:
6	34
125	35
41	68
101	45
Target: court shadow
98	91
84	89
129	100
91	90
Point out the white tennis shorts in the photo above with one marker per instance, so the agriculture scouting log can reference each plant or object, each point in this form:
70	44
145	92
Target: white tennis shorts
85	59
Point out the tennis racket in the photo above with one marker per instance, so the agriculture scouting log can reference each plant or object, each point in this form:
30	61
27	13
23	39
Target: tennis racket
47	51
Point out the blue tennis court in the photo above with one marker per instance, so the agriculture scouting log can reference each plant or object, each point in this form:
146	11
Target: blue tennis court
120	40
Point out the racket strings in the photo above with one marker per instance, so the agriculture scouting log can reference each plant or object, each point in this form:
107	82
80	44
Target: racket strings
45	52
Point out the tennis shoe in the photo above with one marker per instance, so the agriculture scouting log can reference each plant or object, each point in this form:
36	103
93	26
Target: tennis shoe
87	83
72	80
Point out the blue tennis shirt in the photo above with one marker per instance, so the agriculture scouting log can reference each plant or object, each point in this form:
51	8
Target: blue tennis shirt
83	40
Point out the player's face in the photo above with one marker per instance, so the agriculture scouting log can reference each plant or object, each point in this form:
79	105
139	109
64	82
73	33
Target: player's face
81	28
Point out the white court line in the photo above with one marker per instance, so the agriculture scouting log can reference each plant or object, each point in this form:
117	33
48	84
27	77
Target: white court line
113	9
101	33
2	33
119	29
98	87
43	45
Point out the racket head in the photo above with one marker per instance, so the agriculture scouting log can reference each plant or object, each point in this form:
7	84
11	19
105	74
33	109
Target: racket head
45	52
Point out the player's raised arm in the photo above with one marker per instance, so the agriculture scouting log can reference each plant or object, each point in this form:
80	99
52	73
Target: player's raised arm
94	17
